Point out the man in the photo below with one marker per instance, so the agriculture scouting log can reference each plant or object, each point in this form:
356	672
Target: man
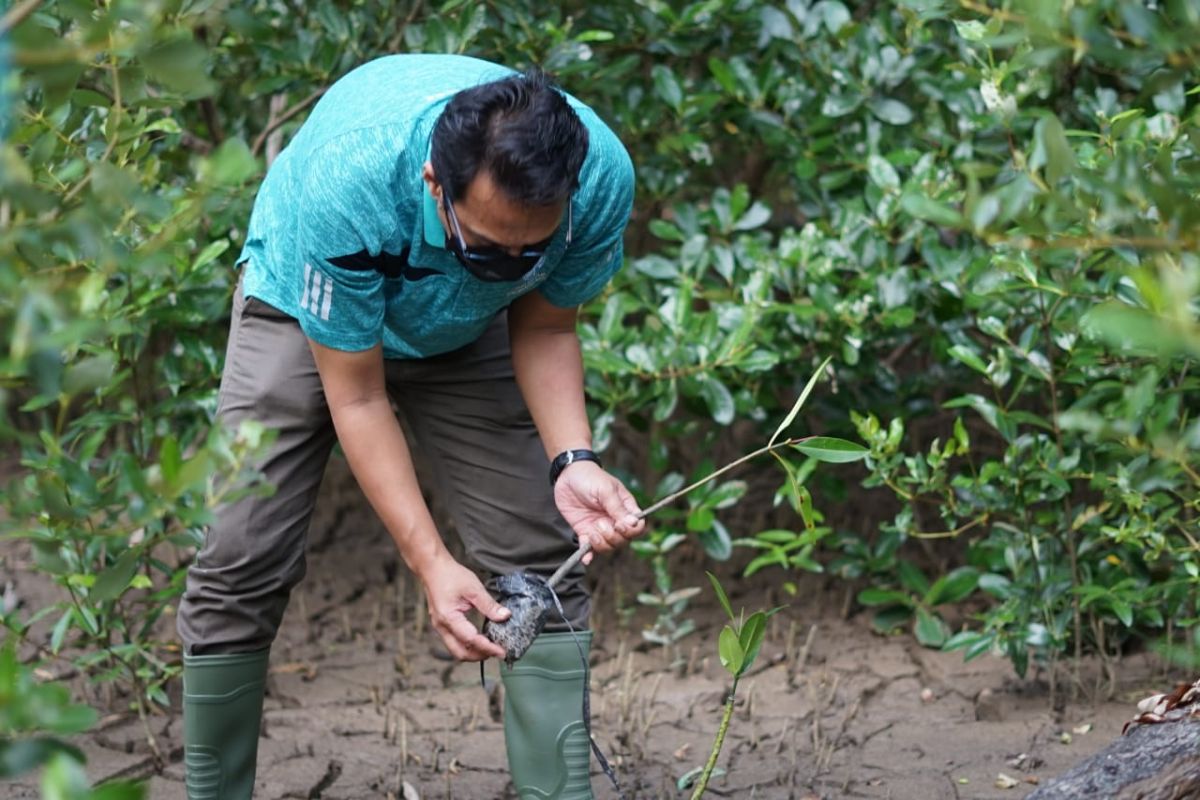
426	237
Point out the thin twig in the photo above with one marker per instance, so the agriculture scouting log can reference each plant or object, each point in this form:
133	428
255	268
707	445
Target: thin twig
951	534
17	14
261	139
586	547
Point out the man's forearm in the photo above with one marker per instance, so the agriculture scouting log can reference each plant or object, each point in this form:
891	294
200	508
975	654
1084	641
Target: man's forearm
379	458
549	371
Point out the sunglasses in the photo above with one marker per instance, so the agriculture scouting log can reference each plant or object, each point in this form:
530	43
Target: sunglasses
494	264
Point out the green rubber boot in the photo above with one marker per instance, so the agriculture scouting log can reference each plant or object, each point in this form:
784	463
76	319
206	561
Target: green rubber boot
547	742
222	714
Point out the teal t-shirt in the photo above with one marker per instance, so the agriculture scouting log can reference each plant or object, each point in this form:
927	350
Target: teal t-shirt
345	236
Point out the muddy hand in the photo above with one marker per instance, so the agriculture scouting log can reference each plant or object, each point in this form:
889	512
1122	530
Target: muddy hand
452	591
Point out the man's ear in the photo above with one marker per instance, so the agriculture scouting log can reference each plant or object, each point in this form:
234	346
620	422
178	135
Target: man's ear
431	181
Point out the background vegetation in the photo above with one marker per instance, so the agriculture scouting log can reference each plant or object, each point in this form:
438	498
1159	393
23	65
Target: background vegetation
984	212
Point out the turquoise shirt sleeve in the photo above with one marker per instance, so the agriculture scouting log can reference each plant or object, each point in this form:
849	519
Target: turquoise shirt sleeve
345	195
597	250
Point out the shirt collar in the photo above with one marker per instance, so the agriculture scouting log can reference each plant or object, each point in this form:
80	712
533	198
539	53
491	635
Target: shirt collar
435	234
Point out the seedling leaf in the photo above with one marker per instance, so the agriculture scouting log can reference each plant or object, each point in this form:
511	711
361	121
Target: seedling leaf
799	401
721	596
831	450
730	650
751	638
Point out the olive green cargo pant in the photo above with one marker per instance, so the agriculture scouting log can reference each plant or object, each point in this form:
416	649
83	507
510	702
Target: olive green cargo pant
469	421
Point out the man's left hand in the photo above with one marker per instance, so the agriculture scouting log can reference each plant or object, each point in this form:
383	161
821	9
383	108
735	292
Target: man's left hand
597	506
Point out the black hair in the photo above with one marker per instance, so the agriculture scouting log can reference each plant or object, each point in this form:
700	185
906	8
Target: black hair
521	130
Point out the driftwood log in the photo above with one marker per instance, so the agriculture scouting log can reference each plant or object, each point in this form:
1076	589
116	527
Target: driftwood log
1151	762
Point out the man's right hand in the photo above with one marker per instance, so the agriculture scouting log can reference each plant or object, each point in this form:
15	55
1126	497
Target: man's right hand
452	591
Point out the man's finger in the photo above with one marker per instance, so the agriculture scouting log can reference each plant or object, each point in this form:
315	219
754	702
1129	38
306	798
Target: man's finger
614	506
472	639
456	650
603	537
634	524
488	606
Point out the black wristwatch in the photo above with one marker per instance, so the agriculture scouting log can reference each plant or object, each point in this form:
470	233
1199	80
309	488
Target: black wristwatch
568	457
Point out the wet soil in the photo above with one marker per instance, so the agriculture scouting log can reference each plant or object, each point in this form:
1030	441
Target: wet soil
360	706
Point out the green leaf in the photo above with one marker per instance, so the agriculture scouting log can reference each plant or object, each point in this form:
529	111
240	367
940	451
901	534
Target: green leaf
717	542
1133	328
808	387
834	14
776	558
831	450
688	778
757	360
750	638
971	30
890	618
972	643
718	398
88	374
180	64
969	357
169	460
681	595
723	74
1051	149
671	541
839	105
997	586
231	164
210	254
911	577
666	86
18	756
882	173
890	111
755	217
929	628
595	35
1123	611
985	211
960	435
666	230
926	208
120	790
953	586
721	596
730	651
115	580
873	596
727	494
700	519
60	631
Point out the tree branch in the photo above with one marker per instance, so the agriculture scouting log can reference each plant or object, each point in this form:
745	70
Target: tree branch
275	122
17	14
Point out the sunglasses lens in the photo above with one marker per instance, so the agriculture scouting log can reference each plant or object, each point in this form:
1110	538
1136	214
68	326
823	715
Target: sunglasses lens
492	263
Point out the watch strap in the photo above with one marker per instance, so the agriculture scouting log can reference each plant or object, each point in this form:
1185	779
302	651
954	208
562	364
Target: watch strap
568	457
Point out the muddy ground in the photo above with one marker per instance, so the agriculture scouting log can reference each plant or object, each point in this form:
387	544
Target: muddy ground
359	705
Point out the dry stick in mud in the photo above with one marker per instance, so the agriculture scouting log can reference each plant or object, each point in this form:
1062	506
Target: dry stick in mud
531	599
